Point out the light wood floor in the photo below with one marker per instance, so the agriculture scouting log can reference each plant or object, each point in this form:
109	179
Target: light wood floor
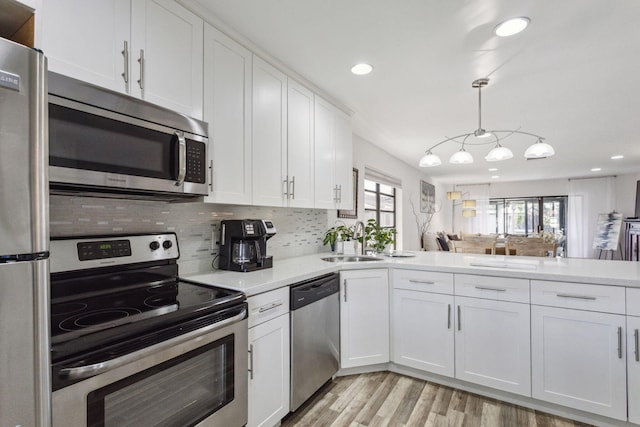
388	399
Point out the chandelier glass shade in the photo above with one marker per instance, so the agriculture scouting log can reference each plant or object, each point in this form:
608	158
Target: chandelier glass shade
539	149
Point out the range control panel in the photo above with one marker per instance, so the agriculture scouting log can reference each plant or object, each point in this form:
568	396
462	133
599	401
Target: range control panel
69	254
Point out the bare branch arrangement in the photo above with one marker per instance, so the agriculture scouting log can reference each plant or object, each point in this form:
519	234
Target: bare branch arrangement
423	220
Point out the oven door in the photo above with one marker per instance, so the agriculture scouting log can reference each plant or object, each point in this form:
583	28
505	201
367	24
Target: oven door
197	379
92	148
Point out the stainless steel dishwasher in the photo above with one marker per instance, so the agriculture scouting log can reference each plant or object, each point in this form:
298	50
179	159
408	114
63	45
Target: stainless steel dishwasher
315	335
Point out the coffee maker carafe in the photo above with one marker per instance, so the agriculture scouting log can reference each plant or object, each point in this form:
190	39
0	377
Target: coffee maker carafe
243	244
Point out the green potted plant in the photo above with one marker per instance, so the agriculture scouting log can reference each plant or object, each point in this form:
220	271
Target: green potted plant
379	238
340	232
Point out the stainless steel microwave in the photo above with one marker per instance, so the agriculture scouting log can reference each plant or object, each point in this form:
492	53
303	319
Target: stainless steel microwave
103	143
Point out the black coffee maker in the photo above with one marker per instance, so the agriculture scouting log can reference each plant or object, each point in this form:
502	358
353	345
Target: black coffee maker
243	244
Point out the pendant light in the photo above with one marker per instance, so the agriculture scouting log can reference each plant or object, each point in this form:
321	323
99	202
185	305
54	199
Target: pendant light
539	149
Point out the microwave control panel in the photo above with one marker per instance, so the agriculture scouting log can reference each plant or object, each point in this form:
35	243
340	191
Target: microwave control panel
196	161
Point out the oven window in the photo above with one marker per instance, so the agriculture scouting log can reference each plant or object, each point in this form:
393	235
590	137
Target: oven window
179	392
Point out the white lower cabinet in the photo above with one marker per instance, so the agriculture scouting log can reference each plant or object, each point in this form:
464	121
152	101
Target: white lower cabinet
364	317
422	321
578	360
493	344
269	359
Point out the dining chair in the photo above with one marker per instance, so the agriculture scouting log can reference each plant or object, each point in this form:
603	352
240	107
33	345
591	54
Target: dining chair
475	245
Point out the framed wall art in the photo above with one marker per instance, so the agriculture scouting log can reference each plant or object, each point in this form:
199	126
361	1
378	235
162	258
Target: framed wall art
427	196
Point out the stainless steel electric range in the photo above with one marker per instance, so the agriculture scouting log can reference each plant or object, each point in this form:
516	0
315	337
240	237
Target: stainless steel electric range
133	344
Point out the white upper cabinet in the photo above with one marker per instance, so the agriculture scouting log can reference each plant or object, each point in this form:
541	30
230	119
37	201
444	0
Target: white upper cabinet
88	40
333	157
166	49
227	109
300	146
344	161
269	128
151	49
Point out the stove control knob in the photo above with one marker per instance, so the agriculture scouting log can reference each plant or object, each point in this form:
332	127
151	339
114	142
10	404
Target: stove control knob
154	245
167	244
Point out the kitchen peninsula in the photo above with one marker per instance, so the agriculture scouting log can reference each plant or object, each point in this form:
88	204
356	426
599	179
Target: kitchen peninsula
554	334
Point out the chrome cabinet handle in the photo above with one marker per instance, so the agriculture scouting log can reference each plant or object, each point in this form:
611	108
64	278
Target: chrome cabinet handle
211	175
293	188
345	290
269	307
448	316
619	342
141	62
340	193
489	288
335	194
182	158
585	297
125	54
422	282
86	371
636	335
459	319
251	361
285	185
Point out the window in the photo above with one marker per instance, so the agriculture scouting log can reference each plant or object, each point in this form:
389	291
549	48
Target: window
380	203
528	215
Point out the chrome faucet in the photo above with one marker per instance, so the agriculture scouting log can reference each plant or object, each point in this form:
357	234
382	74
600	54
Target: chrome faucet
360	224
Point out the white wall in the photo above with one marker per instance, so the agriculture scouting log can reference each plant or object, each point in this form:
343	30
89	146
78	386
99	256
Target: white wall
367	154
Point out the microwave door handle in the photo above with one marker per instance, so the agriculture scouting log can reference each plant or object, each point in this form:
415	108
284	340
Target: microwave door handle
182	158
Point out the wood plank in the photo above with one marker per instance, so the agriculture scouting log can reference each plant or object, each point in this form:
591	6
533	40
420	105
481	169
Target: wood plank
392	400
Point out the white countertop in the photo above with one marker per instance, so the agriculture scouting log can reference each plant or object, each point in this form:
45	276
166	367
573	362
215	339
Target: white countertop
291	270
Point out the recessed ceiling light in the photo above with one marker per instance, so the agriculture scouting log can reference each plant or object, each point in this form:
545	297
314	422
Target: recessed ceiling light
617	157
492	169
512	26
596	169
495	176
361	69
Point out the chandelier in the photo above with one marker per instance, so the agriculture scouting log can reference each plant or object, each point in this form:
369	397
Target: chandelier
539	149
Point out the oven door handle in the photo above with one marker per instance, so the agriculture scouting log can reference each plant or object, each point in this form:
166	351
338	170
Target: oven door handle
82	372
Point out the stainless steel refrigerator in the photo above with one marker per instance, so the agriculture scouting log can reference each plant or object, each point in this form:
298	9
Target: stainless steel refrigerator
24	238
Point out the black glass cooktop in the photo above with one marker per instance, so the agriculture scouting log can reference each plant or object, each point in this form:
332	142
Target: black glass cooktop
89	311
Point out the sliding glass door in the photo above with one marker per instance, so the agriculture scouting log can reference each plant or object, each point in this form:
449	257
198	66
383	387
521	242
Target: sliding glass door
529	215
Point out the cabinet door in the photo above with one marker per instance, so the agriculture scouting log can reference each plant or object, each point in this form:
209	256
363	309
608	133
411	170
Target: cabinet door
269	134
493	344
269	372
227	109
633	368
86	40
423	331
344	160
325	188
578	360
300	146
364	317
166	55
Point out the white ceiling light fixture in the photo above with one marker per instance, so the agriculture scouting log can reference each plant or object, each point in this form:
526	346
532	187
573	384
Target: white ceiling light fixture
538	150
617	157
512	26
362	69
596	169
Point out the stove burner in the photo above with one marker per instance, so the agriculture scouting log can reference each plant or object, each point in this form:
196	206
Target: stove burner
67	308
158	301
98	319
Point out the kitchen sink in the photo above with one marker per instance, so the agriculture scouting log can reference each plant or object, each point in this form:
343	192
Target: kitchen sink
351	258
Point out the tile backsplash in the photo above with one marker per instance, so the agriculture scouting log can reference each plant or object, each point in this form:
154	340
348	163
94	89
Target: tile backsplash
197	225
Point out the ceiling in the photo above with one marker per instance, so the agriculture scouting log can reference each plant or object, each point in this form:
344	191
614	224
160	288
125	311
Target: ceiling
573	76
